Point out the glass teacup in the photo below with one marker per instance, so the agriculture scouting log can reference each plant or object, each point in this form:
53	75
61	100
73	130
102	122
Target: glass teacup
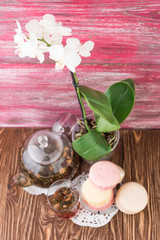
63	198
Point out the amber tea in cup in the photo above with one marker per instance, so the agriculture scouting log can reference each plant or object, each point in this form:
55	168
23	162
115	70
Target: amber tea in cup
63	199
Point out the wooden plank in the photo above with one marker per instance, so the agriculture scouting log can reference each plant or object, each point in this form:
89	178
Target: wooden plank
24	216
18	207
126	36
141	160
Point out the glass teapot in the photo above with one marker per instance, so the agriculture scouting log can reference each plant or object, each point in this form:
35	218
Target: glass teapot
47	156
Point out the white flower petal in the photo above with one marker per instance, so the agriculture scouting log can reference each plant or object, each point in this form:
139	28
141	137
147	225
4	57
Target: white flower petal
35	27
67	50
86	48
49	17
20	36
40	43
73	43
51	30
71	67
64	31
59	65
56	52
72	60
19	30
44	49
20	54
47	38
33	39
40	56
84	53
56	39
18	39
47	26
59	24
89	45
27	50
30	50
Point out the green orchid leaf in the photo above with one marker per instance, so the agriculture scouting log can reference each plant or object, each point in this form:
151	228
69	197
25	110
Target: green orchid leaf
105	126
91	146
131	83
121	96
101	106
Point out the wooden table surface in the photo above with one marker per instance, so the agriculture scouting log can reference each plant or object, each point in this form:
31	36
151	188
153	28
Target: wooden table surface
27	217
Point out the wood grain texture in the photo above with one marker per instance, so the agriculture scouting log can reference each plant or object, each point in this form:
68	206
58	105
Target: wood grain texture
126	35
28	217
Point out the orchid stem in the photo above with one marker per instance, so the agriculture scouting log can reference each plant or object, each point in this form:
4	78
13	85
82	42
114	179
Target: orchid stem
76	86
42	40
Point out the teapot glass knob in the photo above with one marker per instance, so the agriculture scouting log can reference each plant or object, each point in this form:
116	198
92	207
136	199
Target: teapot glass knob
43	141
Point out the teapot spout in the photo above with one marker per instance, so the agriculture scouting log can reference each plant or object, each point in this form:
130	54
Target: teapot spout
23	180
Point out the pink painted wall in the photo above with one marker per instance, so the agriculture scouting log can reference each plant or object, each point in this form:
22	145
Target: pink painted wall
127	45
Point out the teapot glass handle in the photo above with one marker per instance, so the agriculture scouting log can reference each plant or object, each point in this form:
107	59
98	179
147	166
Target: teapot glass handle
65	122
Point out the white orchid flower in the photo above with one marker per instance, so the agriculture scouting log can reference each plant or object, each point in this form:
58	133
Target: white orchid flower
20	36
46	36
53	39
82	49
51	26
48	29
40	30
57	36
44	26
53	31
32	49
48	22
35	27
64	56
63	31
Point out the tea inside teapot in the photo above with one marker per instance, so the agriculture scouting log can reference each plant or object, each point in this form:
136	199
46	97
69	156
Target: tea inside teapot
46	157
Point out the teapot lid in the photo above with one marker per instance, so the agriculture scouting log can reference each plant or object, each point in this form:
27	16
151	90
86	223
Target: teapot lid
45	147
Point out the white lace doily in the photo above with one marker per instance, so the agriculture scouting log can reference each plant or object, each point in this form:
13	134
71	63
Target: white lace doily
91	219
86	218
35	190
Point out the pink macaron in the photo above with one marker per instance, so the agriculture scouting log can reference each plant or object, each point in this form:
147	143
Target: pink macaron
105	174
